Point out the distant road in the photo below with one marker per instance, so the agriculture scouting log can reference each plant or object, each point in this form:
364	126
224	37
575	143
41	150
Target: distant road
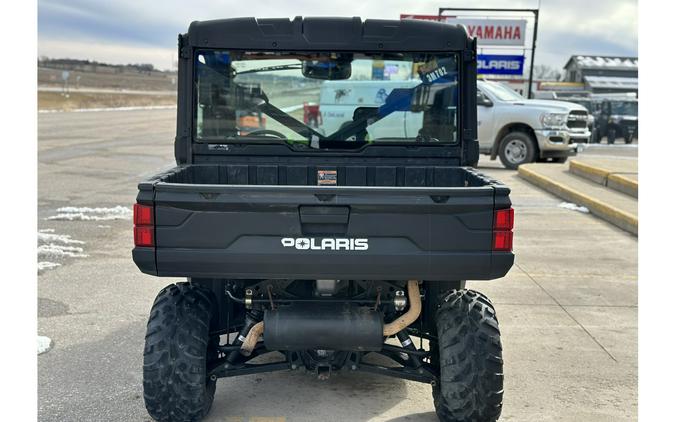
615	151
44	88
288	99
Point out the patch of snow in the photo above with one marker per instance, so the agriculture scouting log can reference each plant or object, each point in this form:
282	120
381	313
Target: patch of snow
101	226
607	62
573	207
43	344
46	231
92	214
57	238
56	247
52	250
46	265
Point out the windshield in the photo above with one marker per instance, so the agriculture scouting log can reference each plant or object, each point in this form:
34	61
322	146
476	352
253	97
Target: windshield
625	108
265	97
502	92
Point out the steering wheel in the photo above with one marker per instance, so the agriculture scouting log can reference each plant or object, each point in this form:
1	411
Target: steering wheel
267	132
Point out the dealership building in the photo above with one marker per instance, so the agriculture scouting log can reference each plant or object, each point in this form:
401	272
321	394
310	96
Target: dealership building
603	74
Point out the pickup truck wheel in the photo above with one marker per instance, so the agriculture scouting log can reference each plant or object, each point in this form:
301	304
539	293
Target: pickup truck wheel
469	358
515	149
177	345
611	136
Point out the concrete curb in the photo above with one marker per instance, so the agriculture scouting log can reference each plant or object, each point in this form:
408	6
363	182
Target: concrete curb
613	180
619	218
592	173
623	184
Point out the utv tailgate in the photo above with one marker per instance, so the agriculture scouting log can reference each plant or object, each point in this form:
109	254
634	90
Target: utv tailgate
310	232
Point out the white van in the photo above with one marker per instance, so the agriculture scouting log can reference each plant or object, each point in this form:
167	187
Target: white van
339	99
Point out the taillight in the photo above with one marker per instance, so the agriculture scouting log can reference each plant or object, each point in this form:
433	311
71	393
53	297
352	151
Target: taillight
502	234
144	225
143	215
502	241
503	219
143	236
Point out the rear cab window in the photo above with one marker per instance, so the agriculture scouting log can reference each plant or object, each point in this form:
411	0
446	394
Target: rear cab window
358	98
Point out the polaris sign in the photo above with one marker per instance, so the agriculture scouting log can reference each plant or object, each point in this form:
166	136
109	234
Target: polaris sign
497	64
325	244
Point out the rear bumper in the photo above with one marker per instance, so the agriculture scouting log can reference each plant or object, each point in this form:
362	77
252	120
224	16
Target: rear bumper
369	265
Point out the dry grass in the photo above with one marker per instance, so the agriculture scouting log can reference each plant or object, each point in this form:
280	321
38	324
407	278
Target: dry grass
77	100
156	81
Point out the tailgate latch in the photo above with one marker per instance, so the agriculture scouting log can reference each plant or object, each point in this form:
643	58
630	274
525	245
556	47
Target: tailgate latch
324	219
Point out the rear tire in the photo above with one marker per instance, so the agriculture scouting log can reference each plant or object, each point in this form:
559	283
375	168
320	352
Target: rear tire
177	345
611	136
517	148
469	358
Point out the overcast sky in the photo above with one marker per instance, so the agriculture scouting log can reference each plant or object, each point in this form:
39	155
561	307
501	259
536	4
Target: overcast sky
144	31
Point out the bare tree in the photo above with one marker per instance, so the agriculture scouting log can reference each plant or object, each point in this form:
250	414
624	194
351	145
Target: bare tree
546	73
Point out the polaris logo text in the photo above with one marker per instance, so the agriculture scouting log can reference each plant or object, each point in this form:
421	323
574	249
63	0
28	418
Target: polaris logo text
325	244
499	64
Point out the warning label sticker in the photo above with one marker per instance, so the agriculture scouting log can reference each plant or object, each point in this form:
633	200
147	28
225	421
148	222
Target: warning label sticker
326	177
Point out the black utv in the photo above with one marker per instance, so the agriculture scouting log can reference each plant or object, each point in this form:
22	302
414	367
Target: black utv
327	244
617	119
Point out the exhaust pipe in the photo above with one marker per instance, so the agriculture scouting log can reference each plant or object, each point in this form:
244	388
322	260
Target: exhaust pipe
252	338
402	322
394	327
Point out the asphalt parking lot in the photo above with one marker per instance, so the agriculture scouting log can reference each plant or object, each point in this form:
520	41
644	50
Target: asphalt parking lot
568	308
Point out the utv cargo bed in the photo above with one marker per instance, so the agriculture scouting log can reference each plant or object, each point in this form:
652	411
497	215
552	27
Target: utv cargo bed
273	221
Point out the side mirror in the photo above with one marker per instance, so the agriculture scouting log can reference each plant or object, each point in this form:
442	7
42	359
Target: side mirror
482	100
327	69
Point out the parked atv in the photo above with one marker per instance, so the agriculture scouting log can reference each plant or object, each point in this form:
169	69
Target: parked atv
326	246
617	119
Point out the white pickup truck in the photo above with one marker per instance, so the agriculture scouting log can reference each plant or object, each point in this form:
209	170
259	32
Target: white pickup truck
521	131
339	99
516	129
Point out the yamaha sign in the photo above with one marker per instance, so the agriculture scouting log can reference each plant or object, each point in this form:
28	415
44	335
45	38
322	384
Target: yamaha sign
488	32
499	64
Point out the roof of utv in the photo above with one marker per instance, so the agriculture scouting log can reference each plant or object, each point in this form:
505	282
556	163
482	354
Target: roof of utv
333	34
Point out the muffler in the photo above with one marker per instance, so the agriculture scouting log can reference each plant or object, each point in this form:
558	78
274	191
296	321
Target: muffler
330	327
